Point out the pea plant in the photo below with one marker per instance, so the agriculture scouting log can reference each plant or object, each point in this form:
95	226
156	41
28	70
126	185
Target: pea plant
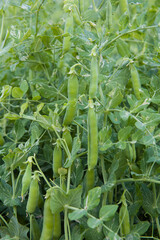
79	119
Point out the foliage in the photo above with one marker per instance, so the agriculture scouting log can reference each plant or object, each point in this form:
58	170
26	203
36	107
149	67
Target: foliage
62	58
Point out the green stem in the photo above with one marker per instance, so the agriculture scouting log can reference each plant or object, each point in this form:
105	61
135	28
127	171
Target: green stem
150	180
106	43
13	190
65	223
94	6
3	220
16	185
30	234
104	200
42	172
68	179
158	226
2	26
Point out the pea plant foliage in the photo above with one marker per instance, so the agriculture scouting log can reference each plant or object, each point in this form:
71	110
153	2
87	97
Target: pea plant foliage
79	119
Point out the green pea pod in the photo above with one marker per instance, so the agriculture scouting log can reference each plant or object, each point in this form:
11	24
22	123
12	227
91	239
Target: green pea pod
33	194
109	14
123	4
72	87
90	179
122	48
68	30
57	160
1	139
135	81
48	222
72	99
92	137
26	180
94	74
57	226
124	217
76	15
70	112
36	233
68	138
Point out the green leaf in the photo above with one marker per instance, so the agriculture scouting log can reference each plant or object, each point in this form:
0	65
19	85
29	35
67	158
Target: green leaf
94	222
141	227
124	133
93	198
15	230
11	116
59	198
124	115
24	86
6	91
6	195
17	92
140	126
107	212
77	214
19	129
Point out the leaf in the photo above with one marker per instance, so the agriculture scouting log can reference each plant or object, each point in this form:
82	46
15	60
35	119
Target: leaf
6	195
17	92
77	214
6	91
141	227
19	129
124	133
104	146
94	222
59	198
140	126
11	116
148	202
15	229
24	86
107	212
75	149
124	115
93	198
36	130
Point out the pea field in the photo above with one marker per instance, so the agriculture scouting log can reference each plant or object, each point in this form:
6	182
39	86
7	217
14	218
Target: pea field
80	119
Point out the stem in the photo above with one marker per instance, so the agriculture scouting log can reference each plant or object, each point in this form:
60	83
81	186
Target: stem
104	200
30	234
158	226
65	223
68	179
13	190
16	185
37	16
42	173
106	43
2	26
3	220
94	6
150	180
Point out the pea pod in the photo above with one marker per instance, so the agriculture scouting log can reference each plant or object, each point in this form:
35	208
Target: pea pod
1	139
33	194
68	30
26	180
123	4
57	226
68	138
36	233
135	81
92	137
48	221
122	48
94	74
72	99
90	179
124	217
57	159
109	14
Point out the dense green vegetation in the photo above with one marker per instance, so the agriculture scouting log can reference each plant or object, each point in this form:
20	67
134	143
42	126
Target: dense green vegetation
79	119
